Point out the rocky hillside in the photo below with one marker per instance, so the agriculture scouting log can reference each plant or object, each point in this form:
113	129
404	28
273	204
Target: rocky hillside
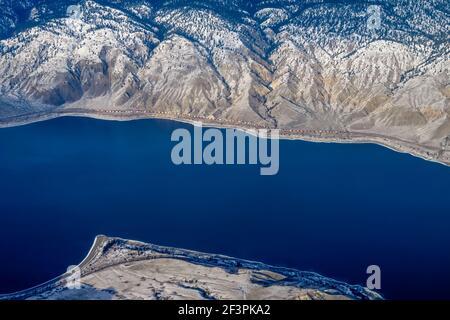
376	70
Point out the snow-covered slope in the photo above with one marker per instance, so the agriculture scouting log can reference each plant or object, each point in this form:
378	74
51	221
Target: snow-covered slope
119	269
378	71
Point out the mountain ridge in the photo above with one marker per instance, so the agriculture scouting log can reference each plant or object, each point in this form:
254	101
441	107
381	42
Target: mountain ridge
308	68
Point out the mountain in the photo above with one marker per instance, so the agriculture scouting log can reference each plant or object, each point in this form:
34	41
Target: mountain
349	71
123	269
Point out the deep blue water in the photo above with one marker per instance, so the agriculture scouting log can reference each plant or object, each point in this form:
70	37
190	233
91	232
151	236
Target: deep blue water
333	209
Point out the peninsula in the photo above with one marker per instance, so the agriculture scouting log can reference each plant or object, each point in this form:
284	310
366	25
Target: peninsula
123	269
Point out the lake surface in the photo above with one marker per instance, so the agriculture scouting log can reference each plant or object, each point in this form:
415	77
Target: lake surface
333	209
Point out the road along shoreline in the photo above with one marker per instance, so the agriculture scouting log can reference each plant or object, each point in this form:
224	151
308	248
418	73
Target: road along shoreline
428	153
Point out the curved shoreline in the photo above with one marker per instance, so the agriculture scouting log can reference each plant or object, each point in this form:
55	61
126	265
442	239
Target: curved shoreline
53	282
99	251
324	136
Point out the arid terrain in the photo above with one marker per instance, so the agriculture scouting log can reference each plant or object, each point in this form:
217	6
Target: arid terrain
123	269
316	70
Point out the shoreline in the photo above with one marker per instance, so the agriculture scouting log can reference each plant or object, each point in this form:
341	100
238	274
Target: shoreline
322	136
92	263
56	280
